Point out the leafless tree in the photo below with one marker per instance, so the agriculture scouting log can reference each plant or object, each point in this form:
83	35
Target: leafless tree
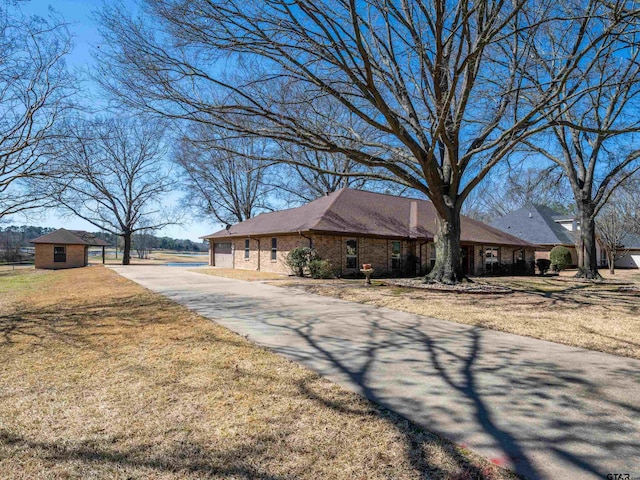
438	81
611	227
306	174
594	129
502	192
142	244
35	94
323	174
111	174
223	176
627	200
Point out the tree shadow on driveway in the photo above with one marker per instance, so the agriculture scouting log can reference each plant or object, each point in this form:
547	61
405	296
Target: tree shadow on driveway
546	410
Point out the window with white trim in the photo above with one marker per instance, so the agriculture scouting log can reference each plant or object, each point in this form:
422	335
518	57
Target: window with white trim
491	259
246	248
274	249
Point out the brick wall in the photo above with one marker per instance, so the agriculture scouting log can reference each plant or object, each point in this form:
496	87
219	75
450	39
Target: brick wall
76	256
376	251
333	248
260	253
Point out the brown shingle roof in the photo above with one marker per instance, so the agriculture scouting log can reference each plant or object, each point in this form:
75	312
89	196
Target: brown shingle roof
71	237
357	212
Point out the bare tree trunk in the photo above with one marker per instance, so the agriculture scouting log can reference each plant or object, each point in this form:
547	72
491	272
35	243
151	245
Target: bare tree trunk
126	252
612	262
580	252
448	267
588	264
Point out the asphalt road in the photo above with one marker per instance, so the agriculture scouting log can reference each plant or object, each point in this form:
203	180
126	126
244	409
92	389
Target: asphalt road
547	410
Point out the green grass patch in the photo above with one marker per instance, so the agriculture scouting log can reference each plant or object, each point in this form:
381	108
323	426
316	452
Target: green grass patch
24	280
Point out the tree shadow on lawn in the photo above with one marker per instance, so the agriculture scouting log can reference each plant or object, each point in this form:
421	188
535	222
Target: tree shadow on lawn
243	462
580	295
77	324
446	377
181	459
564	299
496	396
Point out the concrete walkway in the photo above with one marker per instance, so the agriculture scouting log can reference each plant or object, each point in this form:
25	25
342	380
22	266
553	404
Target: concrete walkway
547	410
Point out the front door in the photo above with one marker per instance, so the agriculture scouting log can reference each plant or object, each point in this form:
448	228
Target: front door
468	259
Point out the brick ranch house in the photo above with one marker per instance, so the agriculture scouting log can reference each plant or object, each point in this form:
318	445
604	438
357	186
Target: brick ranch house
351	227
65	249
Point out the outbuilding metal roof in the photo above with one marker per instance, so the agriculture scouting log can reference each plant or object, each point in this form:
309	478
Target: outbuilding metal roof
361	213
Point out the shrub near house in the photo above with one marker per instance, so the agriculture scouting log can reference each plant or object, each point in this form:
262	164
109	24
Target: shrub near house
321	269
299	258
560	258
302	260
543	264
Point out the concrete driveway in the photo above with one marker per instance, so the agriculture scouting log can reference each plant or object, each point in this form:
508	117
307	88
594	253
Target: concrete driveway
547	410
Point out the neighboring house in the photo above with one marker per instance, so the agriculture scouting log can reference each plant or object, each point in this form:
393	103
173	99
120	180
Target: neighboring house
631	244
65	249
547	228
351	227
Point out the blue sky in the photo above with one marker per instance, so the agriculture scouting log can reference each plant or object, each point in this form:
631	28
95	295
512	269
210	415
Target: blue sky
78	13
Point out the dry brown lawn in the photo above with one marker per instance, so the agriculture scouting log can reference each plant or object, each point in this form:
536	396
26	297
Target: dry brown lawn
597	317
101	378
246	275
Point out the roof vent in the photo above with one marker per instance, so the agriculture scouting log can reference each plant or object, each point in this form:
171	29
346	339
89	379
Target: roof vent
530	215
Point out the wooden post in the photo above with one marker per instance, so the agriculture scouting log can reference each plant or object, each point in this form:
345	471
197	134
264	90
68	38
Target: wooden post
103	254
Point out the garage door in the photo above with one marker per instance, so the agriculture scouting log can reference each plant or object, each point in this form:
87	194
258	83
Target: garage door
223	255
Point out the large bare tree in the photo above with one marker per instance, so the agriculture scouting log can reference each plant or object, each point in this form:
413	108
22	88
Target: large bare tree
439	81
224	177
594	128
306	175
111	174
35	94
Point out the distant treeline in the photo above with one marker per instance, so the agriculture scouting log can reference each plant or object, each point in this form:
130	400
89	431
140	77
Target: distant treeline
15	236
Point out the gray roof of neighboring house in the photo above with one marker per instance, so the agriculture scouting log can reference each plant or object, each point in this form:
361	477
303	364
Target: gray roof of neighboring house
631	241
357	212
536	224
71	237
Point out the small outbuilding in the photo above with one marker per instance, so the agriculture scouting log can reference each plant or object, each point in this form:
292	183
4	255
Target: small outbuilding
65	249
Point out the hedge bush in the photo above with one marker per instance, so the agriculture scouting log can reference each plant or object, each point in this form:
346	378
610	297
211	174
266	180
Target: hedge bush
560	258
299	258
543	265
321	269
